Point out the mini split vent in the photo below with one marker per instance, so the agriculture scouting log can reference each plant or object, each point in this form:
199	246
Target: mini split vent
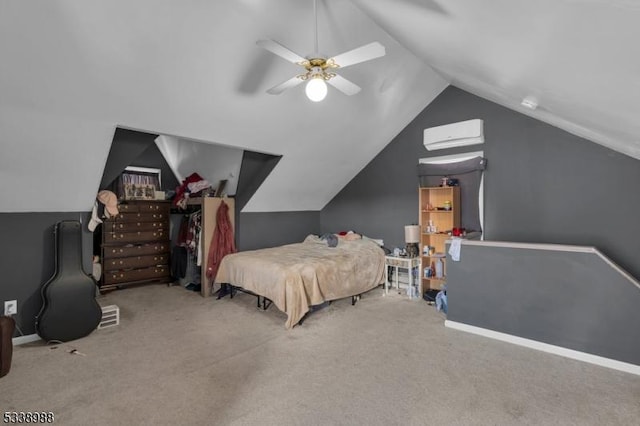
464	133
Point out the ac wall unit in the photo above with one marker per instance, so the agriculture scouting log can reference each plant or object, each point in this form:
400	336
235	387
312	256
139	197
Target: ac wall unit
463	133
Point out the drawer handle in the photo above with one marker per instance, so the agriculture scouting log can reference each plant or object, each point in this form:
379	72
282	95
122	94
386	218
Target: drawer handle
121	262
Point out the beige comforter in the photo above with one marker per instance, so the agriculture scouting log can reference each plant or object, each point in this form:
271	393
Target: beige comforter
296	276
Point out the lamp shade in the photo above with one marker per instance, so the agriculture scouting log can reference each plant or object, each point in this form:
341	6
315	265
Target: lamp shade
412	234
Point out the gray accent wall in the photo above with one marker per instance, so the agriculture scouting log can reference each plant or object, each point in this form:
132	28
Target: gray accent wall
254	170
27	259
134	148
567	299
542	184
261	230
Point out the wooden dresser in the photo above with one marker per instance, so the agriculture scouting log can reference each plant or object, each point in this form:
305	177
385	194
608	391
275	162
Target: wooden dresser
135	245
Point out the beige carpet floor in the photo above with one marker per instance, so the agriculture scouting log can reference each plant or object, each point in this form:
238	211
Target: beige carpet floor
180	359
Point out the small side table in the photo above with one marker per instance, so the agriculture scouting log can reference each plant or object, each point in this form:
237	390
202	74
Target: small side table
408	263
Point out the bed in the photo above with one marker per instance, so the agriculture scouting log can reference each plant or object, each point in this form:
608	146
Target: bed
297	276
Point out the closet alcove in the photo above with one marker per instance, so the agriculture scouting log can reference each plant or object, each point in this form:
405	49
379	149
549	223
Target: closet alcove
176	158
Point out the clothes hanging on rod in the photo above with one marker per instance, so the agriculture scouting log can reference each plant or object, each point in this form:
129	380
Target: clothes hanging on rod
222	242
188	249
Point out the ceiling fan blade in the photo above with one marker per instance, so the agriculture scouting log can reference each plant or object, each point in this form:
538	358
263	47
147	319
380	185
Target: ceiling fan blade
359	54
280	50
292	82
344	85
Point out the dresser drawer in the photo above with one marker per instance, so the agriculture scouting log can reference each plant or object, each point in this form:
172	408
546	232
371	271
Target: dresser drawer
135	250
128	208
137	206
154	207
136	262
138	236
140	217
131	275
133	226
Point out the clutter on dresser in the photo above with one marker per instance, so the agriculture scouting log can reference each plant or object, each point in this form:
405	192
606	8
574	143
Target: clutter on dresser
139	183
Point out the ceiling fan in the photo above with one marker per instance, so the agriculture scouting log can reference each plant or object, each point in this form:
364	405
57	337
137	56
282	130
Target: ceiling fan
319	69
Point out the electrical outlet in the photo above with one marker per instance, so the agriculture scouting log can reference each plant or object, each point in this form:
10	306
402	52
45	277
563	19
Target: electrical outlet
11	307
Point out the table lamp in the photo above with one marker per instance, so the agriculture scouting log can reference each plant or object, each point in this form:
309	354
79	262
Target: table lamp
412	238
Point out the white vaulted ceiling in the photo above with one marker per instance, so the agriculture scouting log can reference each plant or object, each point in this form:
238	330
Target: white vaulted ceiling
71	71
578	58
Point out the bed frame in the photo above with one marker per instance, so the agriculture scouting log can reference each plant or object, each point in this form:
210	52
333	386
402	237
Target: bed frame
264	303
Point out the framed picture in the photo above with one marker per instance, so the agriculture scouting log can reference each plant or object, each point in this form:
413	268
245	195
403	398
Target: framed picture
138	183
139	191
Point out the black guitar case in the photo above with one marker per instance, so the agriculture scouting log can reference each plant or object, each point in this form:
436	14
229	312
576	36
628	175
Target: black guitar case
69	310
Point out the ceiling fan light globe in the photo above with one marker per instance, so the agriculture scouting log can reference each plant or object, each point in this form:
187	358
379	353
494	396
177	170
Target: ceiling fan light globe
316	89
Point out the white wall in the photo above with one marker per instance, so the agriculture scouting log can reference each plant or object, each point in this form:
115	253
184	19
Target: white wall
212	162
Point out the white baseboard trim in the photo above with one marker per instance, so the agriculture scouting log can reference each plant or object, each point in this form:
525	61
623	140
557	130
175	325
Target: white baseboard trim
25	339
545	347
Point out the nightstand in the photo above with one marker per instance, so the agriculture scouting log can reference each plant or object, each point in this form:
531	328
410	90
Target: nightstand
408	263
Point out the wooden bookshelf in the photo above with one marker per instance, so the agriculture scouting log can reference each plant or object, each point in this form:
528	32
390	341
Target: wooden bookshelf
439	209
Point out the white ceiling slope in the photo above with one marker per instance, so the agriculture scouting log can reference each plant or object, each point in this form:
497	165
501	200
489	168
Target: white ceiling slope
71	71
578	58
